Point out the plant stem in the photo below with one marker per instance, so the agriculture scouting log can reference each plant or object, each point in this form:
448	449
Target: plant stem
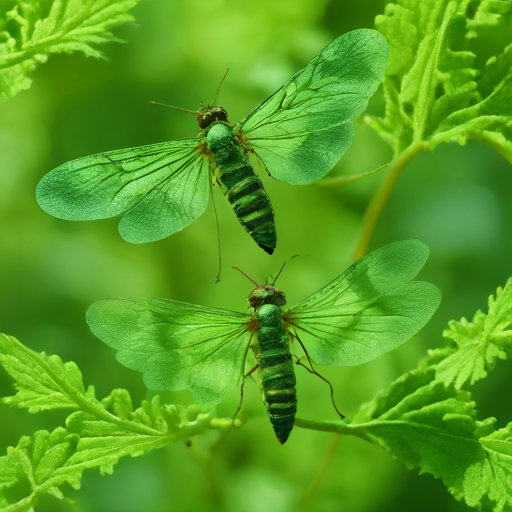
381	196
347	180
322	470
339	427
205	458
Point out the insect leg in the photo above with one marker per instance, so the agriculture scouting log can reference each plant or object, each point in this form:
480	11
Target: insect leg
250	372
314	372
218	229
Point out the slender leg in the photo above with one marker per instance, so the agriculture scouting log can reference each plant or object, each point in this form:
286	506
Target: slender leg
314	372
212	184
245	376
248	374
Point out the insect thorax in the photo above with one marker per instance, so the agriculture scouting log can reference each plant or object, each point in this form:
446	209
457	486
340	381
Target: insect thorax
220	139
269	315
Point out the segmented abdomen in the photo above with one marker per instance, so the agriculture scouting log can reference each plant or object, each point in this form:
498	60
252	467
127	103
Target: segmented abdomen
277	374
241	186
251	204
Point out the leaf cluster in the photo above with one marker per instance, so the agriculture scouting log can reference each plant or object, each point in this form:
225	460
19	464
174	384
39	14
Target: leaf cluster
436	88
32	31
96	435
427	421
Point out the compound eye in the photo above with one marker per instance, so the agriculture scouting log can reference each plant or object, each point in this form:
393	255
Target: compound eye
254	302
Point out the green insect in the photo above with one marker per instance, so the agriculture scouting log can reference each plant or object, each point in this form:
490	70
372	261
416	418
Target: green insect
372	308
298	134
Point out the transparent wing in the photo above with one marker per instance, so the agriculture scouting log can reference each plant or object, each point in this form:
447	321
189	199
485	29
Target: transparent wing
301	131
175	345
160	189
370	309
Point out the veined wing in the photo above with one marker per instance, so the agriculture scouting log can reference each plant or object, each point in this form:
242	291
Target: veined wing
302	130
160	189
370	309
175	345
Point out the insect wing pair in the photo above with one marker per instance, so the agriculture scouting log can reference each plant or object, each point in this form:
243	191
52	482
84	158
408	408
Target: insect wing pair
298	133
370	309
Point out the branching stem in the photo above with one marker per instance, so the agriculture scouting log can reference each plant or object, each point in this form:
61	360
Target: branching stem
382	195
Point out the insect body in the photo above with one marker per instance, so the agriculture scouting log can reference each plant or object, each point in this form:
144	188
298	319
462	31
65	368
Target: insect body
298	134
271	347
242	187
372	308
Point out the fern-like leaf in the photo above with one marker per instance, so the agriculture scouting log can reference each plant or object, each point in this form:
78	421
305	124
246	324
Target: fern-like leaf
434	92
32	31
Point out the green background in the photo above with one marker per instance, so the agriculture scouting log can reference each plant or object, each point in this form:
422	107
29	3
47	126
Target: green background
457	200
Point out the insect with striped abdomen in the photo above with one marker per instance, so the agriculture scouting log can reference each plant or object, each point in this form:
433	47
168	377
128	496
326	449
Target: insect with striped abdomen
298	134
372	308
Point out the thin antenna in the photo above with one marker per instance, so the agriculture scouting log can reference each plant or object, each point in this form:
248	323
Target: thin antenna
177	108
218	88
243	273
285	262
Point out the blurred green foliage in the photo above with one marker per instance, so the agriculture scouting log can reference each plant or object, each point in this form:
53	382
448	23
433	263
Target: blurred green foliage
456	199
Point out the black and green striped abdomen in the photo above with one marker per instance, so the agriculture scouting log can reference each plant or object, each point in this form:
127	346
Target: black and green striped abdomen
242	188
277	375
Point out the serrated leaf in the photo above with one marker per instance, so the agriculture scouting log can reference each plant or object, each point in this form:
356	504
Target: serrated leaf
96	436
495	469
120	402
479	343
43	382
427	425
43	463
65	26
434	93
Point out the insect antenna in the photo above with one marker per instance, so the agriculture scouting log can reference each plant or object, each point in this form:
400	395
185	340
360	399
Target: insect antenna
218	88
243	273
314	372
284	264
193	112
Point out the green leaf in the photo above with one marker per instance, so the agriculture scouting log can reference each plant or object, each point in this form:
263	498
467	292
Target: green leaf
43	382
42	27
427	425
43	463
96	436
480	342
434	93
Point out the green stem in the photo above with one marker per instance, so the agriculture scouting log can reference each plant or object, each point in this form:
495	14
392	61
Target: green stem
381	196
339	427
322	471
347	180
